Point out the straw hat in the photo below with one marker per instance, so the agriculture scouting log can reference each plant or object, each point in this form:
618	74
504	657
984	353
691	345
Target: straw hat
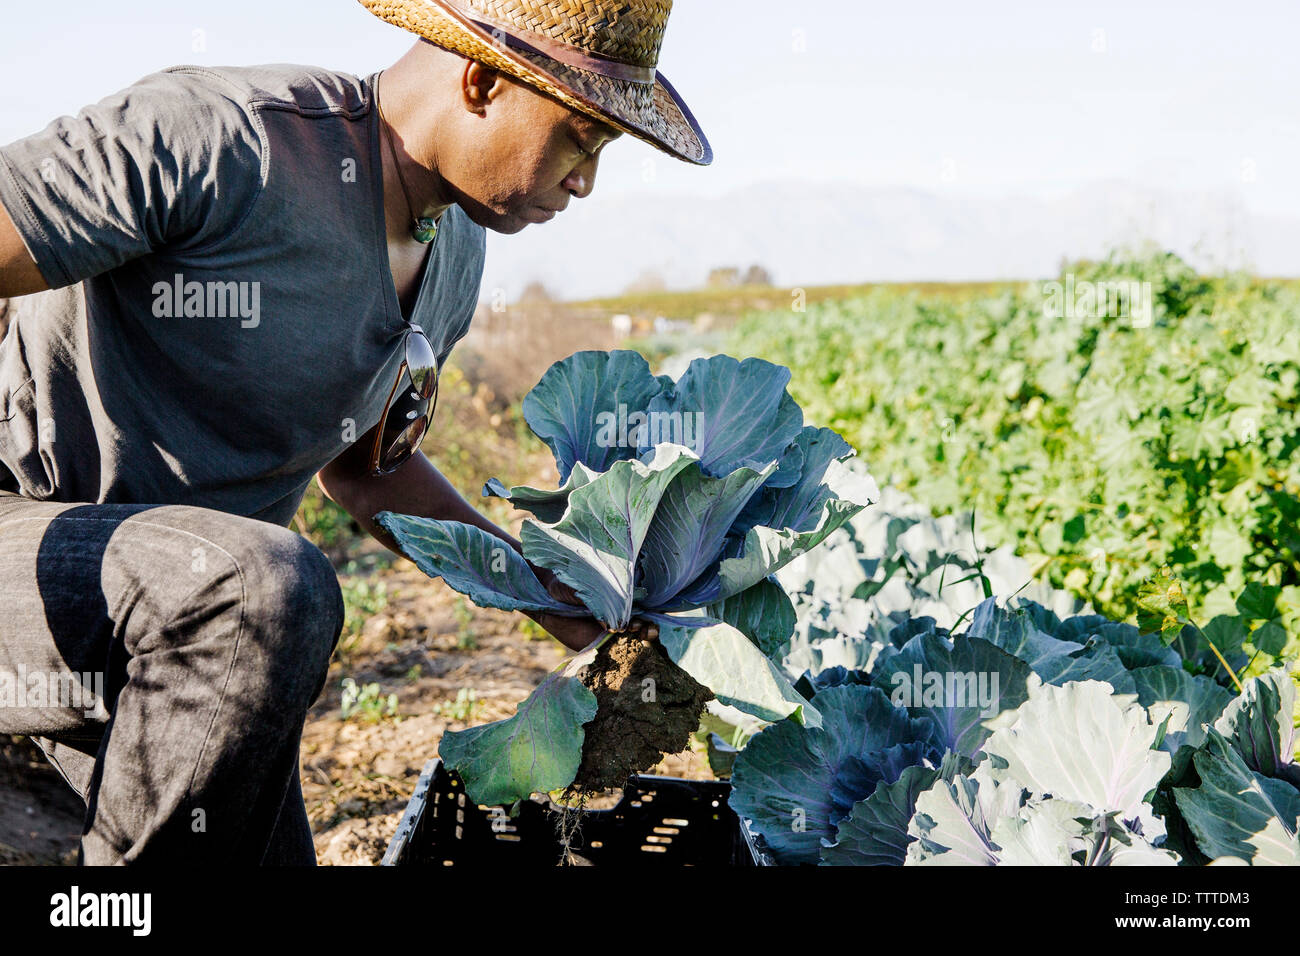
596	56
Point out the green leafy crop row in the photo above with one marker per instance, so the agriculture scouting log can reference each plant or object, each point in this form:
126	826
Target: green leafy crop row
1101	439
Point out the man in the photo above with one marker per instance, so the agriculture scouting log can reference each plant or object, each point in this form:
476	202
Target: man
233	280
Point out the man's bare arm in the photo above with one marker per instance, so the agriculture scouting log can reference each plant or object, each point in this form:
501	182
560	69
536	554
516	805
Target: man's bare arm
417	488
18	272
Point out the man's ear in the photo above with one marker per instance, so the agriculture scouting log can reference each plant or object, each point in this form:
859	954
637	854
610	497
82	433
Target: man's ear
479	86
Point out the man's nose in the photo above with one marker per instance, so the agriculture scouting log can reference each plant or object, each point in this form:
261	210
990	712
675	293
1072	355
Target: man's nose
582	180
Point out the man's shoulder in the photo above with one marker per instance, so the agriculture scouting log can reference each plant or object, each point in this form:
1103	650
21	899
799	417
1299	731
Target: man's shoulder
307	90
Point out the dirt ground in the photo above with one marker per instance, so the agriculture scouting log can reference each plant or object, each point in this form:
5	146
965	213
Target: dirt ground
40	815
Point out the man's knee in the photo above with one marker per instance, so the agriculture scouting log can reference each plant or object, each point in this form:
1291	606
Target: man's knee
269	606
259	604
294	609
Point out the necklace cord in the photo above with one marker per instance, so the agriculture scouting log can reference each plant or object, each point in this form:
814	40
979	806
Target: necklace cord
420	227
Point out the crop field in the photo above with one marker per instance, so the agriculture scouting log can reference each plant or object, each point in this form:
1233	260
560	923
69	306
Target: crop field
1101	447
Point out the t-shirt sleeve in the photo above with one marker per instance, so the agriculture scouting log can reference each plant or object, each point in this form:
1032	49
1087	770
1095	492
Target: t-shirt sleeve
173	161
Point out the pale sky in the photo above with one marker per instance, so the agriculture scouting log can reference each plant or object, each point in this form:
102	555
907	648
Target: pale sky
996	98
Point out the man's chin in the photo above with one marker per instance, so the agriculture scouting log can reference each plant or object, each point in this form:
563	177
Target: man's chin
508	224
512	225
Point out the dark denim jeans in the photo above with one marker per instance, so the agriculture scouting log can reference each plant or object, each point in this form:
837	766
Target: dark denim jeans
164	658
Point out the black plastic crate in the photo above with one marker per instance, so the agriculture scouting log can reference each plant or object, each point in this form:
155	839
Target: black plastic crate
658	821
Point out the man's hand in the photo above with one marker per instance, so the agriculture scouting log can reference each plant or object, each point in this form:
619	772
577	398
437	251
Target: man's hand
578	633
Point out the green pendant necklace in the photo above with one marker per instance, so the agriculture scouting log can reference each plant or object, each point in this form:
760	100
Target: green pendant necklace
423	228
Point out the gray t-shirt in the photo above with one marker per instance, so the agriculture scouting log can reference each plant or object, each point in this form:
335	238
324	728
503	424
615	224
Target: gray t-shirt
222	321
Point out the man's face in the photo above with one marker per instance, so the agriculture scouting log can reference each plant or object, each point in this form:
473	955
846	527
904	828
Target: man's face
526	155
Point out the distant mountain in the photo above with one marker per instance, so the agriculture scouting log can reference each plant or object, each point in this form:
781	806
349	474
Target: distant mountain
840	233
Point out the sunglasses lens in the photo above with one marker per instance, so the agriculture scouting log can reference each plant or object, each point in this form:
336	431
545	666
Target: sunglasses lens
406	418
421	363
405	444
402	435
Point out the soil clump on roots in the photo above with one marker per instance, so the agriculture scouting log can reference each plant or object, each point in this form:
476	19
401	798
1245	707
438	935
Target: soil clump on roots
646	707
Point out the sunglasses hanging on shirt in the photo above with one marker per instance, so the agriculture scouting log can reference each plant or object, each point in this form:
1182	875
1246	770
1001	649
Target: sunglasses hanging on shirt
406	417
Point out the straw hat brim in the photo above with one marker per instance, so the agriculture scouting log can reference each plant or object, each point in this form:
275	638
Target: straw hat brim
655	114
